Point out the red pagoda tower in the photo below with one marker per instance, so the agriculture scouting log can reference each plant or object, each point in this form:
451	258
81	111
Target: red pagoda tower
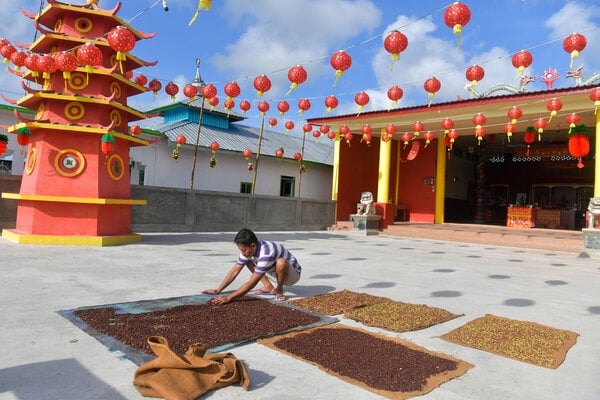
76	185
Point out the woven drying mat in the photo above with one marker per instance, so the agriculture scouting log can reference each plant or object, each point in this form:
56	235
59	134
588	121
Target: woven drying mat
400	317
524	341
187	320
335	303
390	367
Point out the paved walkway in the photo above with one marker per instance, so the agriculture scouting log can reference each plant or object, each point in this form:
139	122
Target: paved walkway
44	356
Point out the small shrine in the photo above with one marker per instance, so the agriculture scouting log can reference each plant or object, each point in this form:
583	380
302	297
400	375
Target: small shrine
76	188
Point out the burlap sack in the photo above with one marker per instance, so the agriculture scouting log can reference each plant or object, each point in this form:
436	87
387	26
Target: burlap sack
187	377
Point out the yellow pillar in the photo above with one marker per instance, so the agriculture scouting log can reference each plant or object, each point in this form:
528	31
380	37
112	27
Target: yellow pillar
383	180
440	181
596	162
336	166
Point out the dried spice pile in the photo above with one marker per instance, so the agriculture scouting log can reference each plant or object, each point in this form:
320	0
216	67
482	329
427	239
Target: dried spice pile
335	303
390	367
399	317
520	340
239	321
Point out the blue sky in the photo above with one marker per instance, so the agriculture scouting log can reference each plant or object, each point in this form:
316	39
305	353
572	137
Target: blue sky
237	40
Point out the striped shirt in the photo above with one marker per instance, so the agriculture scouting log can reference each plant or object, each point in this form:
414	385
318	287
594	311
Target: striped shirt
266	256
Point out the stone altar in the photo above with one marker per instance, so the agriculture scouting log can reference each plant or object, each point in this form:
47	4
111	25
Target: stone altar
365	220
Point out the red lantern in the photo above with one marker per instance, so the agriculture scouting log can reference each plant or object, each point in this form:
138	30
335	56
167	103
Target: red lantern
89	55
452	135
154	85
272	121
289	125
121	40
572	119
595	97
406	138
367	133
304	105
331	135
296	75
232	89
529	137
279	152
215	146
395	43
18	59
190	91
429	136
579	143
480	134
478	120
340	61
46	65
307	128
418	126
509	129
521	60
447	124
136	130
67	63
229	104
180	140
209	91
514	114
31	64
456	16
6	51
348	137
331	102
324	129
344	129
263	107
141	80
540	124
247	154
431	86
297	156
391	129
283	107
474	74
107	142
245	105
213	101
3	145
394	94
23	137
362	99
554	105
573	44
262	84
316	134
172	89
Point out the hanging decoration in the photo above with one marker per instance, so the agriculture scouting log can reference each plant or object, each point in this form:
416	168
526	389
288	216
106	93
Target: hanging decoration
474	74
245	106
346	133
122	41
418	127
428	136
331	102
406	138
279	153
3	144
24	136
18	59
303	105
154	85
272	121
479	134
30	63
553	105
135	130
209	91
395	43
509	129
247	155
47	66
452	135
447	123
289	125
214	147
140	79
180	140
529	137
232	90
90	56
297	156
540	124
213	101
296	75
263	107
579	143
514	114
595	97
331	135
190	91
431	86
283	107
390	131
574	44
521	60
572	120
316	134
324	129
229	104
394	93
262	84
340	61
202	5
478	120
362	99
107	142
172	89
367	134
456	16
306	128
6	50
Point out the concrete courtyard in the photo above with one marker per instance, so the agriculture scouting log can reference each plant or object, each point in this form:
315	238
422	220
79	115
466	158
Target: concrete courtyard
45	356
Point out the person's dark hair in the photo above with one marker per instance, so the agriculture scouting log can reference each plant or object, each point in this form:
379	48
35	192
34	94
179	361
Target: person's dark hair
246	237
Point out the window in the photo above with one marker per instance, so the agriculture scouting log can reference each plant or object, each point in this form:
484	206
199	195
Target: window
287	186
245	187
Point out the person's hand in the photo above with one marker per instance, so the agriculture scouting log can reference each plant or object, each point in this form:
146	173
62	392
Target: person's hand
210	291
219	300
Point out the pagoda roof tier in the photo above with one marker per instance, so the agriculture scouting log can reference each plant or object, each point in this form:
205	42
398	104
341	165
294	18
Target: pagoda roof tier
47	43
56	11
32	101
48	126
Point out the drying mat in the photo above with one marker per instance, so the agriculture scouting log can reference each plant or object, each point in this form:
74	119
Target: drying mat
390	367
520	340
400	317
184	321
335	303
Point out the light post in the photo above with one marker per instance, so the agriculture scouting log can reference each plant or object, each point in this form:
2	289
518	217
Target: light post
199	83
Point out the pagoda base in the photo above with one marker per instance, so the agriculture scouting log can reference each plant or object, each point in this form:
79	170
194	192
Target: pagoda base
25	238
